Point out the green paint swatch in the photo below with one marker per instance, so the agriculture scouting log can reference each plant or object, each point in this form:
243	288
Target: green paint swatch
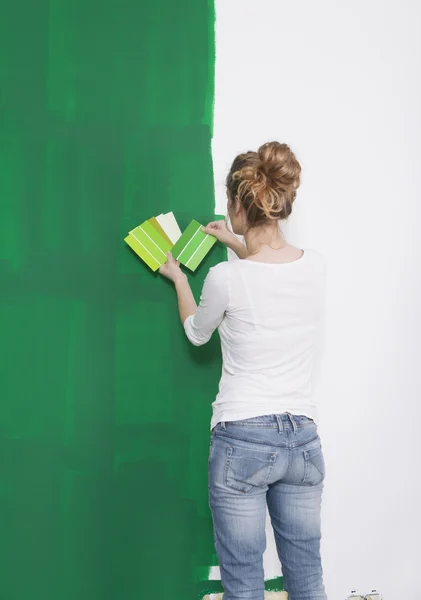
193	246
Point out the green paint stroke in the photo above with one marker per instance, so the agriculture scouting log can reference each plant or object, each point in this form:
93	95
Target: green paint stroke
105	120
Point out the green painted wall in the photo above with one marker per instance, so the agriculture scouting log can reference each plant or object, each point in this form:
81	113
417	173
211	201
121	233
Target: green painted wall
105	120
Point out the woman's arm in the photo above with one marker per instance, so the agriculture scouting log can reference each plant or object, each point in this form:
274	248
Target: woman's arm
199	321
220	230
186	302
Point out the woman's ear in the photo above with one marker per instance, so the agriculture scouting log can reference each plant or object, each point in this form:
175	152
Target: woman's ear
237	205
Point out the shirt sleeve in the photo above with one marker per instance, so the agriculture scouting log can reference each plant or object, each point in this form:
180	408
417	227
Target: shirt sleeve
211	310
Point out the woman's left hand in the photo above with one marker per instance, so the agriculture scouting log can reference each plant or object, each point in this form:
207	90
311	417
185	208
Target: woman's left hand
171	269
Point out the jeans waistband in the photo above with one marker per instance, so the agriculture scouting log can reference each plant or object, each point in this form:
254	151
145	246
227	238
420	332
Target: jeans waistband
275	421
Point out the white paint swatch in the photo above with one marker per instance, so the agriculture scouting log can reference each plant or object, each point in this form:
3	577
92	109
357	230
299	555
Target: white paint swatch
170	226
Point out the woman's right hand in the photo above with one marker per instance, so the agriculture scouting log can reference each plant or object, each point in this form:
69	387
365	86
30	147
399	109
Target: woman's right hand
219	230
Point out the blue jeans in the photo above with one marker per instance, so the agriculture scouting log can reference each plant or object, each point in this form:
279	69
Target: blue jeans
274	461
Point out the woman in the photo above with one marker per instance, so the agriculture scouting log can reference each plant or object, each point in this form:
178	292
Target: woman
265	449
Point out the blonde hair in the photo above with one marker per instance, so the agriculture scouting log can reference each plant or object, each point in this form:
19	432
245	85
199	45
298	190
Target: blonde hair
265	182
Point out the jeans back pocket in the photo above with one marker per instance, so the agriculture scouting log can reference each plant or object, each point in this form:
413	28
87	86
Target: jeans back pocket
248	468
314	466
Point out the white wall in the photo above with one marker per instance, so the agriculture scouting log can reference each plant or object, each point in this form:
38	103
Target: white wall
340	82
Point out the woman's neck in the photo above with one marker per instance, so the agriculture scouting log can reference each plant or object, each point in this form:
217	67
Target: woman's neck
264	236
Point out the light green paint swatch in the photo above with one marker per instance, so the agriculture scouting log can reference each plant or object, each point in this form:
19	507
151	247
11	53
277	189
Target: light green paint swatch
149	245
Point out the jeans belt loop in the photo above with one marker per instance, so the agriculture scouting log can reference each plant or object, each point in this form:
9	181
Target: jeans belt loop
293	422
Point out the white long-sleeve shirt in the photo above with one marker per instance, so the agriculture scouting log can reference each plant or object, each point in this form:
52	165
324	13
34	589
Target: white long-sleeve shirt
269	318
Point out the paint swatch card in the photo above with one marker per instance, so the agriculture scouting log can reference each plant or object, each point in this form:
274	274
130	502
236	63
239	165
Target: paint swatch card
193	246
170	226
153	239
150	244
160	230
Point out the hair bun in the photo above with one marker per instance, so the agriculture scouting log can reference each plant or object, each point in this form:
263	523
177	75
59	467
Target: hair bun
280	165
265	182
